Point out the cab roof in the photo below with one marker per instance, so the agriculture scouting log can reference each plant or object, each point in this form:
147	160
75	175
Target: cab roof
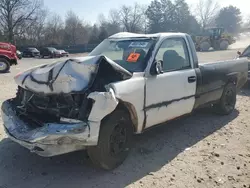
136	35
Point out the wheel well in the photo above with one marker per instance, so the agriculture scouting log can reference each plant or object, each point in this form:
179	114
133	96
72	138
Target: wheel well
128	107
233	79
4	57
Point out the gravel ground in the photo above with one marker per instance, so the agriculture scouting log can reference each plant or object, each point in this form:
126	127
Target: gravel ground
201	150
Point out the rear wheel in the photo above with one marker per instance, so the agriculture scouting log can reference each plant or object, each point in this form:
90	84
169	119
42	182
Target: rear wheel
114	142
224	45
4	65
226	105
204	46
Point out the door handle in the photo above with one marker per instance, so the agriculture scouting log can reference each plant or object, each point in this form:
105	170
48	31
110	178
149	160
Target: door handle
191	79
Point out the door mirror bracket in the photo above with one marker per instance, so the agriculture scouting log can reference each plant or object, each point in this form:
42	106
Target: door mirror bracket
157	68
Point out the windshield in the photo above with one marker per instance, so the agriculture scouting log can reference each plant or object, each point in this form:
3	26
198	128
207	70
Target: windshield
128	53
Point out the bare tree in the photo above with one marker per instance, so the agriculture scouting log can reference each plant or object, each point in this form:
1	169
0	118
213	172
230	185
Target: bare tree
114	17
35	33
54	30
144	18
15	14
207	11
132	18
110	25
74	29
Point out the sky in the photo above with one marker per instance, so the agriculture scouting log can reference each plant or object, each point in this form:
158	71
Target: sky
89	10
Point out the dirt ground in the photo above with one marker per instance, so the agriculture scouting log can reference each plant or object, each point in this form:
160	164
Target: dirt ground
201	150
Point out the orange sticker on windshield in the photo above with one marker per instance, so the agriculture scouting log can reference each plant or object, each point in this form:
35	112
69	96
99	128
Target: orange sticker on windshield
133	57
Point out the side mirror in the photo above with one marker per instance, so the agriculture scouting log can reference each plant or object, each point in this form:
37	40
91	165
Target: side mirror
157	68
239	53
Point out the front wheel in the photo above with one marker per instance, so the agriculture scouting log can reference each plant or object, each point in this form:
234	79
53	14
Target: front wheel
4	65
114	142
205	46
226	105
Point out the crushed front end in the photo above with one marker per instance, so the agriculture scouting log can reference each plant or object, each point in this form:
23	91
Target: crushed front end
62	114
48	125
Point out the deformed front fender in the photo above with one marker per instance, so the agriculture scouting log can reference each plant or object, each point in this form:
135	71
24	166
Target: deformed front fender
105	103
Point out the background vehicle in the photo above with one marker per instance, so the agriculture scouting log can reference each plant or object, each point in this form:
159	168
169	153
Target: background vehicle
7	56
19	54
99	101
213	37
64	53
246	53
50	52
31	52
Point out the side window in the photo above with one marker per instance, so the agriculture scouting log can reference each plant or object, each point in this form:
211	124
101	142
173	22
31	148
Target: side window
174	55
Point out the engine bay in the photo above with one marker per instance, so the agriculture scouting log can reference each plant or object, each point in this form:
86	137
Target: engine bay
42	108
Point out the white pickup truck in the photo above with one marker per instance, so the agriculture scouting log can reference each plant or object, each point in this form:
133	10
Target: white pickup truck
127	84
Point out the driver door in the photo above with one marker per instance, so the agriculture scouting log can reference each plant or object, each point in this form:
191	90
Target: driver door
172	93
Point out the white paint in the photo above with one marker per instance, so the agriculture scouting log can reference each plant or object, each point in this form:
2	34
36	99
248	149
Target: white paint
132	91
134	35
74	76
167	87
105	103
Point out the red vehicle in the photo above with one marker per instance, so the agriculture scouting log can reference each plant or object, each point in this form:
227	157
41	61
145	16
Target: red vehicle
64	53
7	56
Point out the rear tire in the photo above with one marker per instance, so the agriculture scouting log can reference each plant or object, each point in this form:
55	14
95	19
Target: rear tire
226	105
114	142
224	45
205	46
4	65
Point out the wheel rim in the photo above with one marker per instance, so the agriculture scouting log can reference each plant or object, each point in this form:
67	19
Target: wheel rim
229	99
3	66
118	140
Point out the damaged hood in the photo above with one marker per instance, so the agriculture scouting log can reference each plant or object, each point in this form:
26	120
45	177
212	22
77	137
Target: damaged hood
72	75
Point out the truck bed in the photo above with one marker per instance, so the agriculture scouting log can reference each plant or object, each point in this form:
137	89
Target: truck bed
212	77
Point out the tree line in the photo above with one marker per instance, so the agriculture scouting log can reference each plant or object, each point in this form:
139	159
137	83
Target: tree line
28	22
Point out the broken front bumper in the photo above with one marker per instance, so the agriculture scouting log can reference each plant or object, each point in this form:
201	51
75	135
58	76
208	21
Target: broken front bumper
48	140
